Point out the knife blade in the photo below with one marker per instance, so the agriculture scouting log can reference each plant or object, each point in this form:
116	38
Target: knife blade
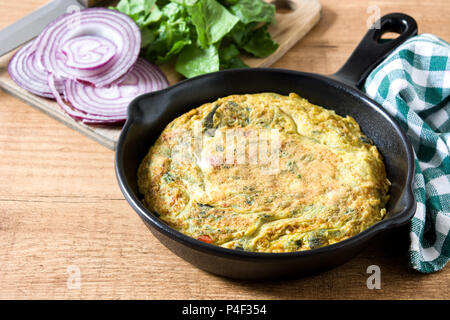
31	25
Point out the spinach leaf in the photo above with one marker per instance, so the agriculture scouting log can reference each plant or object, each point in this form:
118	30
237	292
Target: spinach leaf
169	37
152	17
229	58
203	35
228	3
241	33
260	43
257	41
253	11
211	20
143	12
185	2
162	3
194	60
147	37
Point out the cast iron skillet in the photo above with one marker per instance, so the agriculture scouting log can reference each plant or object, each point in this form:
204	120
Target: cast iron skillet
150	113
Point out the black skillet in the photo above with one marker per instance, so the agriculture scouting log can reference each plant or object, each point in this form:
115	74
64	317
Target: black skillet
150	113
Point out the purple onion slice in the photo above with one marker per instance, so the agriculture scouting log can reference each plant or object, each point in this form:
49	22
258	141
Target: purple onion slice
88	52
24	71
110	25
91	104
81	116
88	61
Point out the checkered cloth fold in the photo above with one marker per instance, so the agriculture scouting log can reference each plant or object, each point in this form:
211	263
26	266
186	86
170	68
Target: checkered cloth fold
413	85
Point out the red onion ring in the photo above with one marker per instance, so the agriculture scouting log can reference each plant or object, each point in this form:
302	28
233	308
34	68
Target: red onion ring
113	101
24	71
81	116
88	61
88	52
109	24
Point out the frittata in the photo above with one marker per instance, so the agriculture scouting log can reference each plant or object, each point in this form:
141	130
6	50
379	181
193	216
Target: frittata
265	173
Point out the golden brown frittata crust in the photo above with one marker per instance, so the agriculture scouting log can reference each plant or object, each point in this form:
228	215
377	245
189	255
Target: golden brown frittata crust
265	172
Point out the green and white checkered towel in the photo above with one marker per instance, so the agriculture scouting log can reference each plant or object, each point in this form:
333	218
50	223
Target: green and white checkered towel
413	85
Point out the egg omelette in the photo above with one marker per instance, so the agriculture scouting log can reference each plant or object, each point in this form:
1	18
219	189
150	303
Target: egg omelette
265	173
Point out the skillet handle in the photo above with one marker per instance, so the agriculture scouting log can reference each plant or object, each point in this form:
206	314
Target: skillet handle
370	51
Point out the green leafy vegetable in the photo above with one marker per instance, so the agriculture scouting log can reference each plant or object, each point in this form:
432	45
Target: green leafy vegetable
167	39
228	3
229	52
241	32
260	43
255	41
143	12
253	11
162	3
229	58
202	35
194	61
211	20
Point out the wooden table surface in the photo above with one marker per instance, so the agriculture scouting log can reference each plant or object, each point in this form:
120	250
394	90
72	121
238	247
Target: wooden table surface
61	208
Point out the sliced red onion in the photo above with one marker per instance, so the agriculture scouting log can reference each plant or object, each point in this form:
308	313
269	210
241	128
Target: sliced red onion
88	61
24	70
113	101
112	25
81	116
88	52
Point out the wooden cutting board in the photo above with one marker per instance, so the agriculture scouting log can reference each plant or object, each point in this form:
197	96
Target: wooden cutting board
291	25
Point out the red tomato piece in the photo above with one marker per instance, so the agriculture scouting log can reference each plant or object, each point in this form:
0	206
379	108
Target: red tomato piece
205	238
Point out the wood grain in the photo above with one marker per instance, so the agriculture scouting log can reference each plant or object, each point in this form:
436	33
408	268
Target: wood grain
291	26
60	205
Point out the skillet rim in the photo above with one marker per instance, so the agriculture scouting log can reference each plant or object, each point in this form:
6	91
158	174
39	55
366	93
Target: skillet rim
399	219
